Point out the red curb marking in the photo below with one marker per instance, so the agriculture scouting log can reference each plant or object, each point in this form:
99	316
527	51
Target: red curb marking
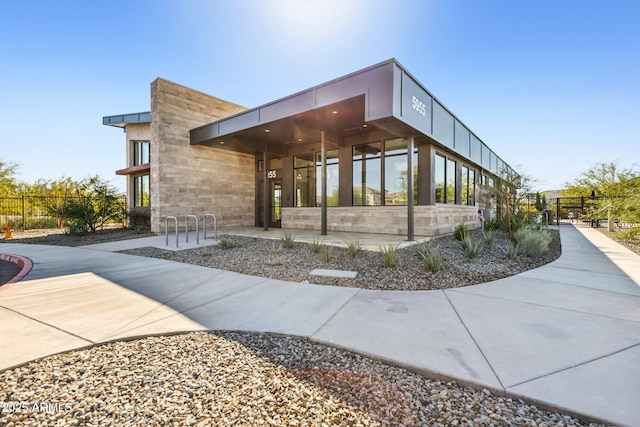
23	262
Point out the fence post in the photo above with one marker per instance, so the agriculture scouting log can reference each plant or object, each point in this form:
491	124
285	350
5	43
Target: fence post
24	222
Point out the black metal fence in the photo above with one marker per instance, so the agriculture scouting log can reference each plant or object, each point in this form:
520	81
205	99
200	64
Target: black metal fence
32	212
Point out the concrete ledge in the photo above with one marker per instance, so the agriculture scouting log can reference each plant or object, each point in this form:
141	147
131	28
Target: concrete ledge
340	274
23	262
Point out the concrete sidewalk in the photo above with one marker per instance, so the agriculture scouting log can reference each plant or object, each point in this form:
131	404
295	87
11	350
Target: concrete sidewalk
566	334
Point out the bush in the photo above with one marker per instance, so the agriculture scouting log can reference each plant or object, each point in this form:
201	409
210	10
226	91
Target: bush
389	252
354	247
460	232
489	237
325	252
287	240
430	256
138	220
315	246
471	246
511	251
225	243
533	242
94	204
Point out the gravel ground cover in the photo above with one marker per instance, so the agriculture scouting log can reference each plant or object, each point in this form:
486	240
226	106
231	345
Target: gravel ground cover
631	243
267	258
59	237
227	379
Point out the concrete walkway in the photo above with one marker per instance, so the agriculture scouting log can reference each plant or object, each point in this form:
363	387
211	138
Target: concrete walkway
566	334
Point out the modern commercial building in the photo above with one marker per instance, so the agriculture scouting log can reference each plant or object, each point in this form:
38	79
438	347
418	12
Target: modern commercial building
337	157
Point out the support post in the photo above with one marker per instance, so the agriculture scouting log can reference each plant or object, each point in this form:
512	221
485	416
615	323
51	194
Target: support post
266	197
410	183
323	155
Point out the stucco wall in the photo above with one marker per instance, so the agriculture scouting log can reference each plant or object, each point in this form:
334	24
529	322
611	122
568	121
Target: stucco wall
189	179
428	220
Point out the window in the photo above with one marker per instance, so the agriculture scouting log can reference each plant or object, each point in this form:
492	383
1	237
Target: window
445	179
451	182
333	182
307	171
468	186
395	172
440	178
141	190
140	153
367	179
303	170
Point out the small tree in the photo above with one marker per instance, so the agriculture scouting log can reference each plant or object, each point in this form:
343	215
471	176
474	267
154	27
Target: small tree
94	203
8	184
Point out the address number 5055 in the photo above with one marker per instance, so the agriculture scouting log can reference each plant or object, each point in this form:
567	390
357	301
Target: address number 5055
419	106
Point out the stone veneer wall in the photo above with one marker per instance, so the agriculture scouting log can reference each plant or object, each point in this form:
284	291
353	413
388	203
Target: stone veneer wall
428	220
189	179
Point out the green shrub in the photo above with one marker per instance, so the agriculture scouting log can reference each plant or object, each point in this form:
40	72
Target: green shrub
430	257
491	224
630	234
389	252
533	242
287	240
471	246
138	220
225	243
489	237
354	247
325	252
460	232
315	246
511	250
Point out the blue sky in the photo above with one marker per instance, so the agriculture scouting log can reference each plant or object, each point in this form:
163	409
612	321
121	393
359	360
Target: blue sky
552	86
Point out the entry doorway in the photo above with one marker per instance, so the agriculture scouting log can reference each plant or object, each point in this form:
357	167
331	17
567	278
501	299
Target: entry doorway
274	203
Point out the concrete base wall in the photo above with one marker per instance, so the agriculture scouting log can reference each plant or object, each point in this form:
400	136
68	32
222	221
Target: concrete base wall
428	220
194	180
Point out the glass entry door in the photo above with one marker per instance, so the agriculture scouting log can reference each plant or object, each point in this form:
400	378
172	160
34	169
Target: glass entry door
276	203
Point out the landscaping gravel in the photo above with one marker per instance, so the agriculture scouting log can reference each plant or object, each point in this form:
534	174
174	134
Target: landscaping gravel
227	379
267	258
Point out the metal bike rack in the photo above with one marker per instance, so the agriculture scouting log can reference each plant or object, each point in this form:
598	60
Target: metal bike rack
186	228
166	228
215	225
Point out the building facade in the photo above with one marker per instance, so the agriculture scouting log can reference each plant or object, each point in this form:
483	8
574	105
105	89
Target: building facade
372	152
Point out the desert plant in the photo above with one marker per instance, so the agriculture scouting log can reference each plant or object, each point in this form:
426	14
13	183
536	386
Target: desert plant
460	231
471	246
430	257
389	252
287	240
489	236
225	243
511	250
354	247
315	246
95	203
325	252
138	220
533	242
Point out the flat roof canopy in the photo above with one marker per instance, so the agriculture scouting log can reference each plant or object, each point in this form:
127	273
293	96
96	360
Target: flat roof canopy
381	97
121	120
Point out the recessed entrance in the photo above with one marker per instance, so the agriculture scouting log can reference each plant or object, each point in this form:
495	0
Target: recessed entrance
274	203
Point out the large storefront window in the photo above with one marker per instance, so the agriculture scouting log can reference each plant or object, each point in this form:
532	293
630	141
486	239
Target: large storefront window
304	171
367	161
445	179
308	177
140	153
440	177
141	190
468	186
395	172
333	182
451	182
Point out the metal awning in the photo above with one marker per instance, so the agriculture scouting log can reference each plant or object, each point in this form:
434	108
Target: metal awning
121	120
